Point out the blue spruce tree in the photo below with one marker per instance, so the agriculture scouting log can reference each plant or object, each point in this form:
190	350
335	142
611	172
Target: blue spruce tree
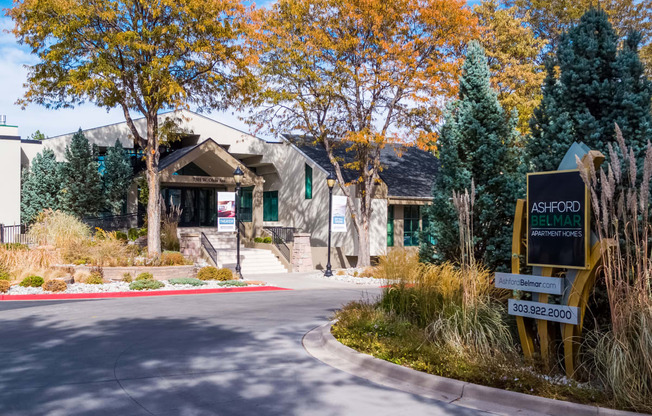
81	185
117	177
476	142
598	85
40	186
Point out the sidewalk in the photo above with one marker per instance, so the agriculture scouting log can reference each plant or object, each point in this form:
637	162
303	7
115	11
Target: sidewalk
309	281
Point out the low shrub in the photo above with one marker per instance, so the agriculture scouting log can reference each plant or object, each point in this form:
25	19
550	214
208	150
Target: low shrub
224	274
94	279
121	235
173	258
236	283
97	270
186	281
32	281
15	246
340	272
134	233
127	277
146	284
82	260
207	273
4	275
265	240
4	286
54	285
144	276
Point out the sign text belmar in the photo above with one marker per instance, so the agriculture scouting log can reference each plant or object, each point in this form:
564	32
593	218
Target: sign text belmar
557	220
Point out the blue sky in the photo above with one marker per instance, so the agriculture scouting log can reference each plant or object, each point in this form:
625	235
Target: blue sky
51	122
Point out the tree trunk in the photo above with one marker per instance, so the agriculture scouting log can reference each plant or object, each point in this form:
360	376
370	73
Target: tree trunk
153	201
364	252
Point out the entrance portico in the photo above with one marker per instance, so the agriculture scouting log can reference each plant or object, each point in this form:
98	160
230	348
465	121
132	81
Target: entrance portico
191	177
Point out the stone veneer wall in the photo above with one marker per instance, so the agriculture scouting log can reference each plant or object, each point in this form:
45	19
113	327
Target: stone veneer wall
159	272
190	245
301	253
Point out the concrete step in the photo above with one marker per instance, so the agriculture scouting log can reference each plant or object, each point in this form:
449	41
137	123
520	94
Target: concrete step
252	261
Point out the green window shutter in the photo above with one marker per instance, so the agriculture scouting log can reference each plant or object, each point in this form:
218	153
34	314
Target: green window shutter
390	226
270	206
308	182
246	204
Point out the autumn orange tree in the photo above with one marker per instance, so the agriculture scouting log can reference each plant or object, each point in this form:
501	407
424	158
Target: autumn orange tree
356	76
142	56
513	51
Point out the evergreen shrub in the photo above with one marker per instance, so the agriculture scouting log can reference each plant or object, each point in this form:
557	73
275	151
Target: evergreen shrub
54	285
147	284
127	277
94	278
224	274
186	281
121	235
207	273
144	276
5	275
32	281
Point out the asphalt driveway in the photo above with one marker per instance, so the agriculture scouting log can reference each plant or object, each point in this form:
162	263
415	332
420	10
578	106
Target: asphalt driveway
220	354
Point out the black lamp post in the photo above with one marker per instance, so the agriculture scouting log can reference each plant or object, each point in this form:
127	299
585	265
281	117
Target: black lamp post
330	180
237	177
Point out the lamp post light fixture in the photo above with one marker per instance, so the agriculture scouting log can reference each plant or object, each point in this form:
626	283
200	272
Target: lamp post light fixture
330	181
237	177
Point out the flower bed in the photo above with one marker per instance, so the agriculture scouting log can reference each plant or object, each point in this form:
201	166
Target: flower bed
115	287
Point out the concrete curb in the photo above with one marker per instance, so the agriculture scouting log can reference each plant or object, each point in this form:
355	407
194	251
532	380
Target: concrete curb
321	344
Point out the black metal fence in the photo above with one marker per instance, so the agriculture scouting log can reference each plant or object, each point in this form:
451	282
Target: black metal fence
13	234
115	222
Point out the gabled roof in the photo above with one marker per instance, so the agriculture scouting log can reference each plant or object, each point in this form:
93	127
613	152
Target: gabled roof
409	175
174	156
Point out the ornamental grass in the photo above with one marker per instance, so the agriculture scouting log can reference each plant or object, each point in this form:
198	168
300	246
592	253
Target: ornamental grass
620	355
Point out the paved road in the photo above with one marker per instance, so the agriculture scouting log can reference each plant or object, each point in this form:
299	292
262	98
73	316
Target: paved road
221	354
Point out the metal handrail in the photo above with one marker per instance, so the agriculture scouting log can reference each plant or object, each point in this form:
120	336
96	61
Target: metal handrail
206	243
16	233
280	237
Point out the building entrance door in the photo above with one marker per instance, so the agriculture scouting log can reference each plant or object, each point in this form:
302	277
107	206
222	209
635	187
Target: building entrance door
199	205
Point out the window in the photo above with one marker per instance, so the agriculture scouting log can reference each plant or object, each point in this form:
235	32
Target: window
390	226
270	206
308	182
246	204
410	225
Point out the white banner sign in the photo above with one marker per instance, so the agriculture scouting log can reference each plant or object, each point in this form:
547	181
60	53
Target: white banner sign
226	211
548	312
538	284
338	219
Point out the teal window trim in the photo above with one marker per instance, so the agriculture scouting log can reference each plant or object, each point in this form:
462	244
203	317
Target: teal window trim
308	193
411	217
390	226
270	206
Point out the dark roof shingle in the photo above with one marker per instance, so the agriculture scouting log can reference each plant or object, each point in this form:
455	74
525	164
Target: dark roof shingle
409	175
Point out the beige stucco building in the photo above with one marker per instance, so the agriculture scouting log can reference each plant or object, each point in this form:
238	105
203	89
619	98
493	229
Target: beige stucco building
284	184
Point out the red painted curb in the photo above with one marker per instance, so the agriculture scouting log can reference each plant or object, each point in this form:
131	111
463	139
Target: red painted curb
61	296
